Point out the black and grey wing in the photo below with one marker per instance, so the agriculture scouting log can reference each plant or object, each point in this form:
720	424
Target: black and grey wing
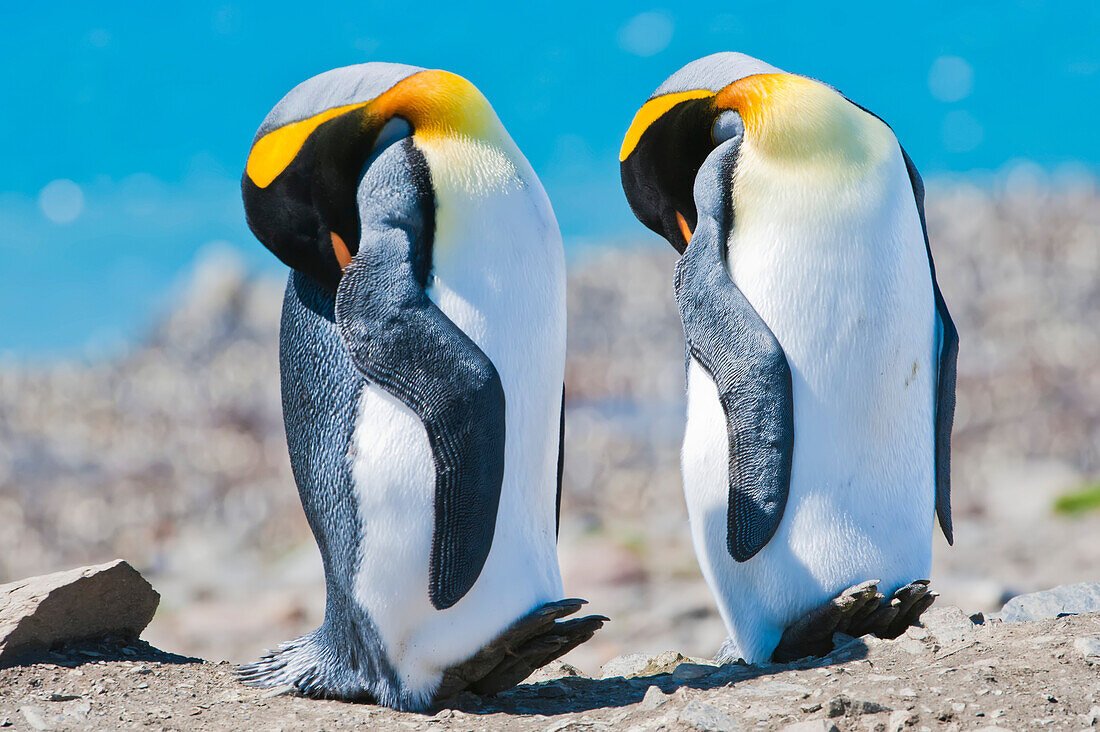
945	371
404	343
728	338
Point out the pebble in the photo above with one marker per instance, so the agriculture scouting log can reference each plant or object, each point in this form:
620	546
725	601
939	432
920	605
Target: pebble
705	717
948	624
1088	647
689	671
653	698
626	665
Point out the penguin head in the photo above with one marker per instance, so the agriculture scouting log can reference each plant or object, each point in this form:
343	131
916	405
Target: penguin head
796	123
306	161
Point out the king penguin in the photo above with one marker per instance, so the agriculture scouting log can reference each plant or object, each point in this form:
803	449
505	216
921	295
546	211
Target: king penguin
820	353
422	353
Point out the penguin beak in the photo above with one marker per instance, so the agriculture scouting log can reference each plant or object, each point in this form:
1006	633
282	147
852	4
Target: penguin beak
685	229
662	152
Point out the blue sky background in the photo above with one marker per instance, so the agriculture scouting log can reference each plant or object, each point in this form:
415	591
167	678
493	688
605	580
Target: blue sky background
126	125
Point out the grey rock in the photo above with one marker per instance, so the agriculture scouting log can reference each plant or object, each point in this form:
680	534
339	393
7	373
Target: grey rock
689	671
948	624
705	717
837	706
626	665
1083	597
653	698
842	704
1089	647
77	604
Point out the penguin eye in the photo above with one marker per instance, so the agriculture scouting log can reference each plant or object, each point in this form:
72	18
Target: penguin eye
727	126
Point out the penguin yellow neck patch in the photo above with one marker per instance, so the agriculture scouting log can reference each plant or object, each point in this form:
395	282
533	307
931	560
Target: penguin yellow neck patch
435	104
789	116
650	112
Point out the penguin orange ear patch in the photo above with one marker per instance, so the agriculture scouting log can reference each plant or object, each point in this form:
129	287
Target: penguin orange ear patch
273	152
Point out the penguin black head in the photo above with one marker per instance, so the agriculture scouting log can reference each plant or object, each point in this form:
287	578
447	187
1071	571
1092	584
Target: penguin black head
673	133
306	161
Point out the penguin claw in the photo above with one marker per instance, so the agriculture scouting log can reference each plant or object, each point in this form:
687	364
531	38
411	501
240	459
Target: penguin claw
859	610
911	601
528	644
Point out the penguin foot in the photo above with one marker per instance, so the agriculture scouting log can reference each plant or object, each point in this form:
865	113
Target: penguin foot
812	635
530	643
859	610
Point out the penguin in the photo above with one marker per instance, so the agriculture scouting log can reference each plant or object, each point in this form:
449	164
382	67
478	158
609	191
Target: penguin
422	354
820	353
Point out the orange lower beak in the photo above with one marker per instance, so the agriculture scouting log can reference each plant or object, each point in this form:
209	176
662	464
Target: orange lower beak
684	228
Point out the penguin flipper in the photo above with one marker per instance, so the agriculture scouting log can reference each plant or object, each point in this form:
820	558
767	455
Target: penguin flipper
400	340
946	371
733	344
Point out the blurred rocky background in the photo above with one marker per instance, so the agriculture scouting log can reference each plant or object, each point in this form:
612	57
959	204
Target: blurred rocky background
172	455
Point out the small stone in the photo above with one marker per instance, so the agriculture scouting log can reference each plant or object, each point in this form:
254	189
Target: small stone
837	706
551	690
653	698
948	624
663	663
1089	647
689	671
860	707
705	717
553	671
1065	599
62	697
907	693
811	708
88	602
5	722
958	707
626	665
902	719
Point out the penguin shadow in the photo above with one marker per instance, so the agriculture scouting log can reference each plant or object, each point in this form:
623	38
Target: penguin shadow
572	694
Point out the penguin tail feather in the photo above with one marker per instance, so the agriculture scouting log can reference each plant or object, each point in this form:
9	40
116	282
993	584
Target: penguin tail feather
299	663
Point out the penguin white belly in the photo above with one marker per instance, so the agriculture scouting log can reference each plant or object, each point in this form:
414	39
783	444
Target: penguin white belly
499	274
842	279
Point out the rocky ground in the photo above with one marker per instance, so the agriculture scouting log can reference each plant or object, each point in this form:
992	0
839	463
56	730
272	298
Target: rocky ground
952	674
172	455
